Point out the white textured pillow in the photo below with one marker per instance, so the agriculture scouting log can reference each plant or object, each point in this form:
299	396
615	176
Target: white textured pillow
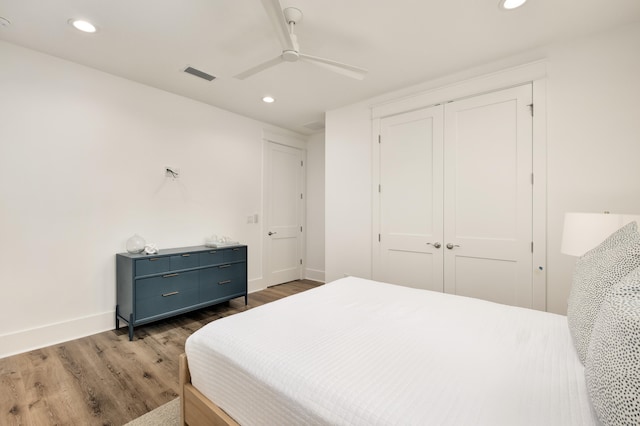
595	273
612	367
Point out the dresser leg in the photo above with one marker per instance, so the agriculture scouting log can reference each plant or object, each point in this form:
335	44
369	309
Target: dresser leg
117	320
130	327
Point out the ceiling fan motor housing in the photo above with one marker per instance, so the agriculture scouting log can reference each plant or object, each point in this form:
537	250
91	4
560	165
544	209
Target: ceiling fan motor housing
292	14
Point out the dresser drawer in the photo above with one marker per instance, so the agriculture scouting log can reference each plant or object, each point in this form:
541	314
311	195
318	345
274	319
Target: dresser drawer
184	261
222	281
162	294
152	265
211	257
235	254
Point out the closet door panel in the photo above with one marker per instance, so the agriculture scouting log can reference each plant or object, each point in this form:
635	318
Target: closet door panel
496	275
488	197
485	161
410	195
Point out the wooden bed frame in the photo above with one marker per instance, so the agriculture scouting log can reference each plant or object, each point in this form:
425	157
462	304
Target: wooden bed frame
195	408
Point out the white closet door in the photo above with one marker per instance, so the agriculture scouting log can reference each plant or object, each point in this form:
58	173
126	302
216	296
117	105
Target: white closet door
488	197
410	200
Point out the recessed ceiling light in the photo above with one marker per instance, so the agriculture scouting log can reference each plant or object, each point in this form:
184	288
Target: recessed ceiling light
81	25
511	4
268	99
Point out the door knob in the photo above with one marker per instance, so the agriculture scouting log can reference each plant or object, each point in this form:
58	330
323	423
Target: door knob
436	244
271	233
451	246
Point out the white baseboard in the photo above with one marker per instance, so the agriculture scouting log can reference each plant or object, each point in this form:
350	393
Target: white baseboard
256	285
314	275
53	334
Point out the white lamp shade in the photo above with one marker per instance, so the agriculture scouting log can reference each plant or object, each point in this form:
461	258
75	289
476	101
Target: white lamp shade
584	231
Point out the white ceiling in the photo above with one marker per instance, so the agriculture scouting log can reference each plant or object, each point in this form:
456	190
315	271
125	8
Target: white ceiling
400	42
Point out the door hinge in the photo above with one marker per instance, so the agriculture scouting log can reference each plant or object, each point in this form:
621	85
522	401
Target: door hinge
379	188
379	139
301	163
531	178
301	261
301	196
531	246
531	108
301	229
378	237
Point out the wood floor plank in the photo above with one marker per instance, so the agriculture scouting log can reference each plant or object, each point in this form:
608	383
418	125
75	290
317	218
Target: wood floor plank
12	402
46	387
105	379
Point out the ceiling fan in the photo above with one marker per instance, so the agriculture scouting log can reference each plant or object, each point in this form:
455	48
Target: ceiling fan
284	22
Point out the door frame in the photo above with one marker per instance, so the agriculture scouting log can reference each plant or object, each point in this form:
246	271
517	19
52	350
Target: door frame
269	137
534	73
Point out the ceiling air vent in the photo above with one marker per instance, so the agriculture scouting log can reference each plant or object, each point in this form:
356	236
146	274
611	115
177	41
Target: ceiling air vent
198	73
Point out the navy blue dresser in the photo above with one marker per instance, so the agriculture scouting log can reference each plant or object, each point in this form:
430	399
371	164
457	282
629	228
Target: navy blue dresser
174	281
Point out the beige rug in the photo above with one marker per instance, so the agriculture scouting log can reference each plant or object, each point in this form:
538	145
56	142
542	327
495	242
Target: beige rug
165	415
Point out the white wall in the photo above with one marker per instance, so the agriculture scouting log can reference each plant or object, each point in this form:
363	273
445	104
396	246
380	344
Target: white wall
348	184
593	138
593	147
82	157
314	269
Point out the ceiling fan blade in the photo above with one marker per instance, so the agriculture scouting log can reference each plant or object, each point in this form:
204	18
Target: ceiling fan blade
263	66
338	67
274	12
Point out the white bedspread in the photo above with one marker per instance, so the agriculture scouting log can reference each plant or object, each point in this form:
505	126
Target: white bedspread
359	352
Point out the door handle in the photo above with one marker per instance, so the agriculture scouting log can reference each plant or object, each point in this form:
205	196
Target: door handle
451	246
436	244
271	233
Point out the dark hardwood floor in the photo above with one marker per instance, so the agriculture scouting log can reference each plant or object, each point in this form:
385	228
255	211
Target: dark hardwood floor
105	379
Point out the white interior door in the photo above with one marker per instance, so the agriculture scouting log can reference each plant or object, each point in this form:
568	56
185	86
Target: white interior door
488	197
410	200
284	179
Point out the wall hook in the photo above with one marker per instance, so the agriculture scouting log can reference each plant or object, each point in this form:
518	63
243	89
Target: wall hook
171	172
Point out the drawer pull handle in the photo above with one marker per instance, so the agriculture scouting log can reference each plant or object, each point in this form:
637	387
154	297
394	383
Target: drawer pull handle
212	252
153	259
224	282
170	275
236	249
186	255
224	266
173	293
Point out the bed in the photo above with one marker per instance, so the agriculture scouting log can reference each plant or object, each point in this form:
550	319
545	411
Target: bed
361	352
